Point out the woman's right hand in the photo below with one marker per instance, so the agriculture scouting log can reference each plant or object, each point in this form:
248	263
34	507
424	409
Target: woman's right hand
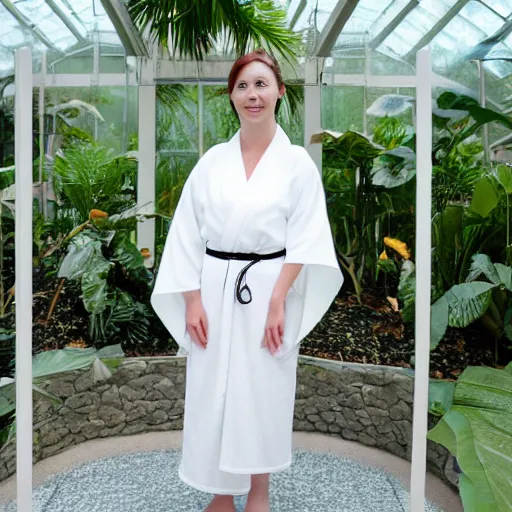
197	322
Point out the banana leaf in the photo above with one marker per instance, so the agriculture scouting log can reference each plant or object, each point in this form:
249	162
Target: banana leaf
52	362
394	167
485	198
476	430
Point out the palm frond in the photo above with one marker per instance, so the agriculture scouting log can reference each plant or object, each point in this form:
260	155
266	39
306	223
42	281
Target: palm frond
197	25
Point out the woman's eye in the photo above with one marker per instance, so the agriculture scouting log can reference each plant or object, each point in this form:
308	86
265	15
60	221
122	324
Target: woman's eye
259	82
241	86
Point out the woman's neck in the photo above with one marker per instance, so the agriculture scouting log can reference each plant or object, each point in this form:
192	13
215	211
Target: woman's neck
257	136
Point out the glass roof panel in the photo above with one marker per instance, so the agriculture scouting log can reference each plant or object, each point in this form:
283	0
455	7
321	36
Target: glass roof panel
40	15
366	13
473	24
311	16
500	68
420	21
503	7
60	25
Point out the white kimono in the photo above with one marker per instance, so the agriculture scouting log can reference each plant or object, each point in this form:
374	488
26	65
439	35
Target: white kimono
239	398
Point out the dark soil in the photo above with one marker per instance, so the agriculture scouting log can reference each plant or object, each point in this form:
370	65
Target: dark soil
372	332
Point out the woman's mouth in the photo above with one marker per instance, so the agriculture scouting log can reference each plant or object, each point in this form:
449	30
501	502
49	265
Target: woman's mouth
254	109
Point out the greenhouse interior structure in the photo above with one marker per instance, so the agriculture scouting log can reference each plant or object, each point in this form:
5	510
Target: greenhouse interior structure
403	392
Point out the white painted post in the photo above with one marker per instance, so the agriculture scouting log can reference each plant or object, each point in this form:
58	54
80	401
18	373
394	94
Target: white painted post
312	110
146	188
423	266
23	276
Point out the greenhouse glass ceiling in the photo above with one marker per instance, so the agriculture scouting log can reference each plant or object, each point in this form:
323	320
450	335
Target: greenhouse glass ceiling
393	28
399	28
58	26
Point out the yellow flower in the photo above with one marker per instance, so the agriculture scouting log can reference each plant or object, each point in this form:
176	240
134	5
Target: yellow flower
383	255
97	214
398	246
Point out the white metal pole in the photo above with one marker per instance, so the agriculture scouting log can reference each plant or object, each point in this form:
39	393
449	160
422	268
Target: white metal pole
42	150
485	127
423	265
200	95
312	110
146	173
23	276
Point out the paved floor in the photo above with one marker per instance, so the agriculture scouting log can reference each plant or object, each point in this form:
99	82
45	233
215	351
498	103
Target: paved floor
138	473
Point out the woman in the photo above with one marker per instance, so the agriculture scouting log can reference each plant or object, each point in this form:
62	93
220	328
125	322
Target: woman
247	271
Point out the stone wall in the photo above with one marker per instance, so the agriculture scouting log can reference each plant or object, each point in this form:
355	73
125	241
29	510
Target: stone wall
364	403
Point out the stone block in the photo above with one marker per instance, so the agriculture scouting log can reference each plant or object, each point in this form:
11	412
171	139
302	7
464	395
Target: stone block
84	399
112	397
111	416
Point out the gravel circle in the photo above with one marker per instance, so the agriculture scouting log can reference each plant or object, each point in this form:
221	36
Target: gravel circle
148	481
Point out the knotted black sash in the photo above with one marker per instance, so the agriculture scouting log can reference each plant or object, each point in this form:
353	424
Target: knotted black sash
244	256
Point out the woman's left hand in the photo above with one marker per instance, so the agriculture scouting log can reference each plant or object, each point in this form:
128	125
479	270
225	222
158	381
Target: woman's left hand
274	328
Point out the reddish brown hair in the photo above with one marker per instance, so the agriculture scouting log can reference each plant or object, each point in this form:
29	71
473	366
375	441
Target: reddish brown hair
259	55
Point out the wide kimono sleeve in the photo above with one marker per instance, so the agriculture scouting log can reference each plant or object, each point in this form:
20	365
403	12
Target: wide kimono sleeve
182	260
309	241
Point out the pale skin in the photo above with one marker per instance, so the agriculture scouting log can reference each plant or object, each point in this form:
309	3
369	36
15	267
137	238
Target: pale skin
255	94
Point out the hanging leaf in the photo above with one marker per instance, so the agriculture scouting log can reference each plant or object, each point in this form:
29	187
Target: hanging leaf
438	321
504	176
394	167
485	198
468	302
390	105
481	264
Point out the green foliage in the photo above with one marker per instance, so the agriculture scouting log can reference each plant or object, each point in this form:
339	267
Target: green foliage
195	27
475	428
92	177
115	283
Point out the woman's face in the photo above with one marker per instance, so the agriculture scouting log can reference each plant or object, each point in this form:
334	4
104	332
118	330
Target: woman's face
255	93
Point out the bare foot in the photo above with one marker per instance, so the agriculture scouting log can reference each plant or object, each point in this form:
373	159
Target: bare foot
221	504
257	503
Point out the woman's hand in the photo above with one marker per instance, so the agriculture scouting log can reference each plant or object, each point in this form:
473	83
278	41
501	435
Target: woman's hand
274	328
197	322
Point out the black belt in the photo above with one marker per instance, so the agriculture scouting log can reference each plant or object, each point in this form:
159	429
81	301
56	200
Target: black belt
244	256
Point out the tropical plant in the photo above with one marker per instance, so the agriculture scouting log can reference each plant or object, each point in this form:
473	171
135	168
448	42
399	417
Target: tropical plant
49	363
368	190
195	28
115	283
93	177
475	427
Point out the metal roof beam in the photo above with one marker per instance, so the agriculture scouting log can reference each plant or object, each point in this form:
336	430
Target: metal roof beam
28	25
126	30
440	25
381	36
65	19
337	20
297	13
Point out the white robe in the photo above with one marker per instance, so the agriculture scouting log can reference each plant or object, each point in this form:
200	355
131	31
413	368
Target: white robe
239	398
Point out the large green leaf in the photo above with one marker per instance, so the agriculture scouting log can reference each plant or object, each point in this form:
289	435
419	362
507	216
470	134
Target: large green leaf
84	253
394	167
447	242
497	273
407	290
467	302
440	396
477	432
438	321
94	287
485	197
481	264
453	101
504	176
